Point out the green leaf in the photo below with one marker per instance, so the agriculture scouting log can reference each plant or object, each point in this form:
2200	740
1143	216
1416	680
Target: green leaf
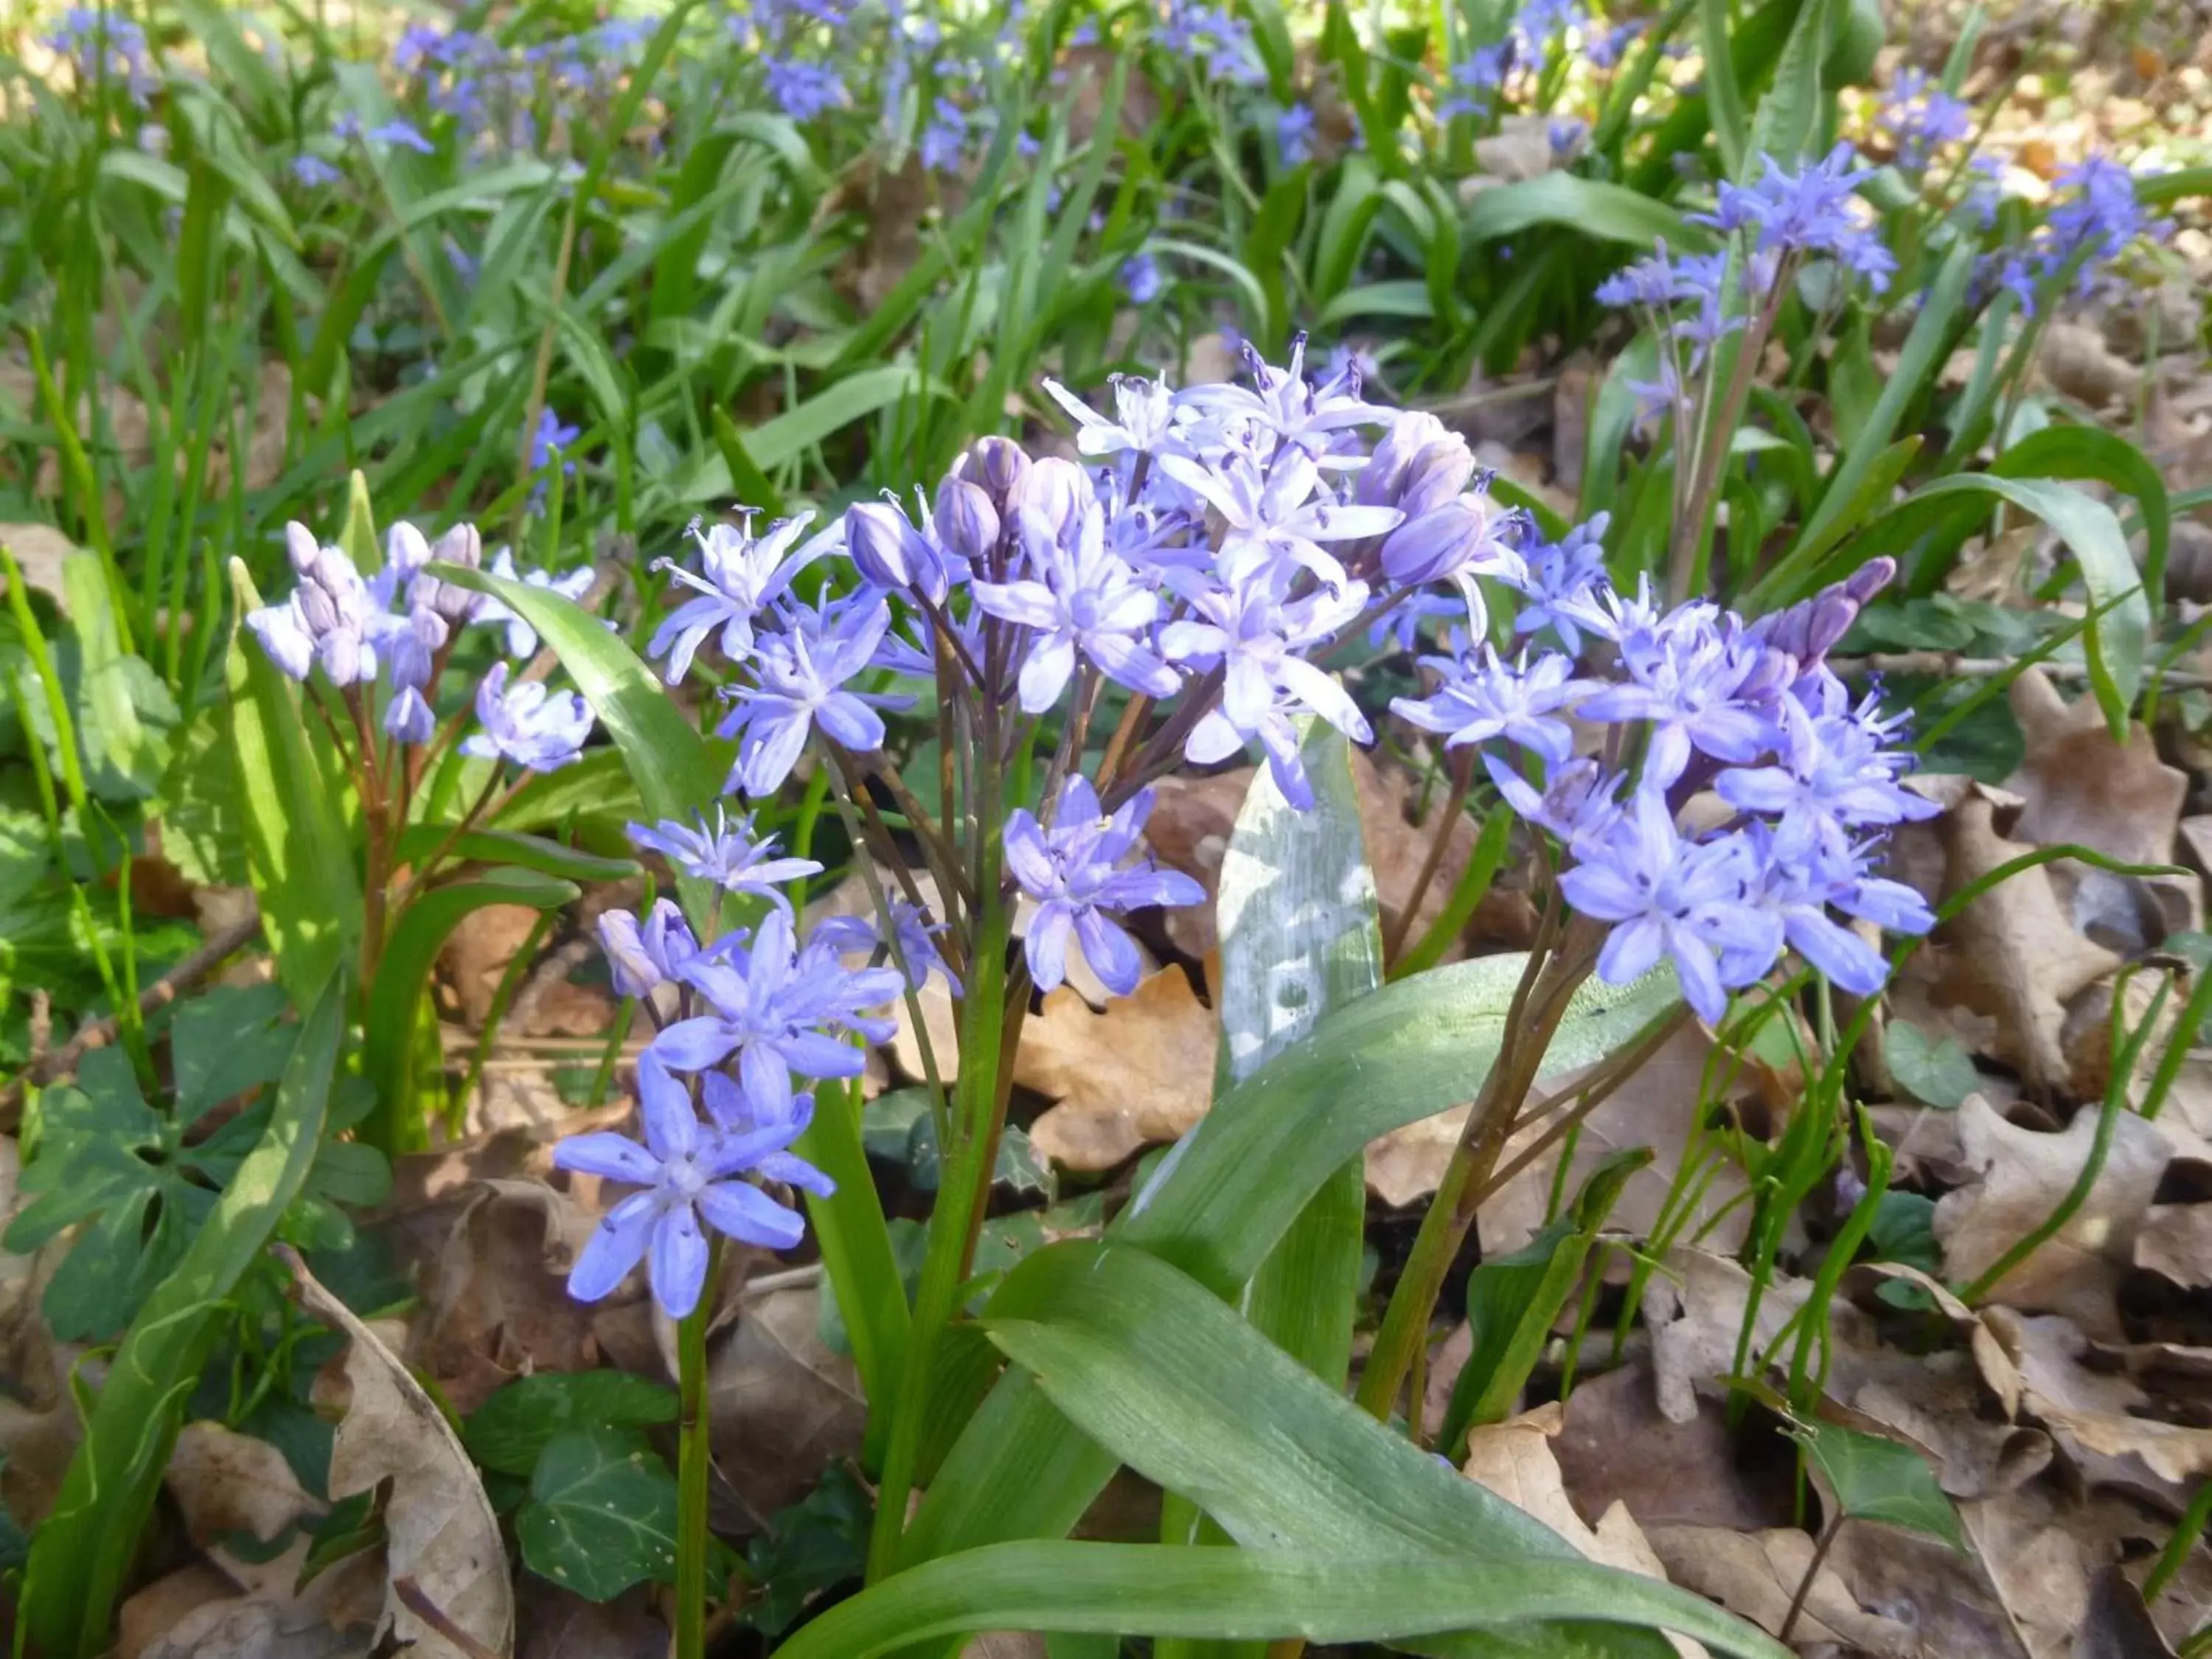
1783	128
2091	451
1301	937
388	1027
810	1548
1937	1071
1723	98
1221	1199
510	1430
601	1514
799	429
125	714
1610	213
296	845
1513	1301
1920	357
84	1551
675	774
1904	1230
511	849
228	1039
1877	1478
1161	1589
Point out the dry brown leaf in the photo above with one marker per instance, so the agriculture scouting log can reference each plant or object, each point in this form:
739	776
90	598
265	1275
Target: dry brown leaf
1139	1073
225	1482
780	1407
1695	1308
152	1612
559	1624
2014	954
1514	1460
2116	1625
1005	1644
2078	785
2041	1547
1754	1575
336	1616
2098	1417
39	549
1519	150
2075	359
2026	1174
1943	1595
1615	1447
2175	1240
439	1528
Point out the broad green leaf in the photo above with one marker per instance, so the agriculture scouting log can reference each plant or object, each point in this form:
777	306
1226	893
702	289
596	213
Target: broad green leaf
2091	451
1723	98
1392	299
124	712
810	1548
1877	1478
1161	1589
1345	224
1512	1303
1937	1071
799	429
388	1028
1904	1230
1917	360
228	1039
1229	1190
1783	126
601	1514
83	1554
296	845
509	1431
1611	212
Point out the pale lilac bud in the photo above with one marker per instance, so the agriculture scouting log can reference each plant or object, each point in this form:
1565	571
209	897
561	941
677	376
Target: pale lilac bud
316	609
301	546
1869	579
966	521
1440	543
1381	480
1054	491
891	552
996	463
405	550
634	973
1435	475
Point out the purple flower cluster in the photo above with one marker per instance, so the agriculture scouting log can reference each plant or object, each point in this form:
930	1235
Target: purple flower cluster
1811	212
1808	781
495	93
389	634
102	44
1920	118
2094	223
748	1013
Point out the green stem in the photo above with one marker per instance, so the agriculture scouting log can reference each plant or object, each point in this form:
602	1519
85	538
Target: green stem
694	1461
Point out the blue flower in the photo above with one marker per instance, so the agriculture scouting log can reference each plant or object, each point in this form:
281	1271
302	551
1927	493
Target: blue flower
1078	597
1557	577
802	675
780	1010
1141	280
1810	211
803	90
313	172
1481	700
549	439
1919	116
328	621
521	637
1294	134
401	134
740	576
726	855
689	1174
102	44
945	140
527	725
912	944
1282	401
1670	897
1278	518
1701	685
1076	871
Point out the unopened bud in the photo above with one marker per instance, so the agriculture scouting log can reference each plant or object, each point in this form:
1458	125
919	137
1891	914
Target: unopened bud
1382	478
1440	543
301	546
405	550
966	521
891	552
1054	490
996	463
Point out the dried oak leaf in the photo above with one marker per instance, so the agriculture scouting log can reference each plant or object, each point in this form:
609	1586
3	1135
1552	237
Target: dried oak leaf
1695	1308
1139	1073
2014	953
226	1482
1514	1460
2097	1415
2175	1241
559	1624
337	1614
2042	1546
2025	1176
1614	1446
780	1407
439	1526
1755	1574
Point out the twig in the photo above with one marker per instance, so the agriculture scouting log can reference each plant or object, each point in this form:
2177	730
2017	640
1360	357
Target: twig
1812	1571
412	1598
98	1033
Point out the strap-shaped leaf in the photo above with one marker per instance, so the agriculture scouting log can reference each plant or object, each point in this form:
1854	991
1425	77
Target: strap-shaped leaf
1163	1590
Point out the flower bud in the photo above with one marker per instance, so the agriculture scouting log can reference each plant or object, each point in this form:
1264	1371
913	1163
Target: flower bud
1869	579
405	550
996	463
891	552
1435	475
301	546
316	609
1382	478
966	521
1054	490
634	972
460	545
1440	543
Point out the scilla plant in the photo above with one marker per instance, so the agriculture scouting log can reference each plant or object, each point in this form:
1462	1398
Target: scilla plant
1072	630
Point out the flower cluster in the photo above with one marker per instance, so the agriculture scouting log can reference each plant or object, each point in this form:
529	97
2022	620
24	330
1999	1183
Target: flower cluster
1477	77
1702	704
737	1019
2094	223
1815	211
1920	117
515	97
105	46
383	639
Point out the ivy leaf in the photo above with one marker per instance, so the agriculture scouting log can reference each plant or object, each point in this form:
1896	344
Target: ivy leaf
510	1432
1880	1480
1905	1230
810	1548
601	1515
1936	1070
